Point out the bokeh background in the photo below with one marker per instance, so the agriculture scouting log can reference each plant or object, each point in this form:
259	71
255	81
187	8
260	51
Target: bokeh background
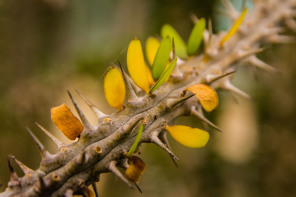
50	46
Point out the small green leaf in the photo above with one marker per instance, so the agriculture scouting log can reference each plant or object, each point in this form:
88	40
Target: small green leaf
137	140
162	57
164	76
195	37
181	49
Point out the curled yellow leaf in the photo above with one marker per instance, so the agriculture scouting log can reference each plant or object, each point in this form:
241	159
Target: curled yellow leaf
136	169
136	65
207	96
234	27
114	87
187	136
64	119
152	45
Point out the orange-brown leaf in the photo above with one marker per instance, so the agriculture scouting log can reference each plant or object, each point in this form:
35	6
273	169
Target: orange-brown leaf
64	119
207	96
136	169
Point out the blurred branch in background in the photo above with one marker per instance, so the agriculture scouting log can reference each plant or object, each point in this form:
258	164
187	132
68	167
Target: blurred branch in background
50	46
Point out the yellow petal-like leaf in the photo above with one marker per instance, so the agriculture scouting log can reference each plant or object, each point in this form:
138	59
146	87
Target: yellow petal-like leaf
152	45
64	119
207	96
162	57
234	27
180	47
196	36
190	137
114	87
136	65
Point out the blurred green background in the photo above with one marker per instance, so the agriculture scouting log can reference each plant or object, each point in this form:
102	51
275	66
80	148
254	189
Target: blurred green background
49	46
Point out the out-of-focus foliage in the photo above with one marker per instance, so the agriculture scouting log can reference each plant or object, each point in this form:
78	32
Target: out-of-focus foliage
49	46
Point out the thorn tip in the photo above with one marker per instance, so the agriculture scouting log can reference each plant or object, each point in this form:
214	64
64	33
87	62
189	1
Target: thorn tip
80	113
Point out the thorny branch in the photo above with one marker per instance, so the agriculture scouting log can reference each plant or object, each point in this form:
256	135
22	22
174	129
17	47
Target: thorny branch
101	148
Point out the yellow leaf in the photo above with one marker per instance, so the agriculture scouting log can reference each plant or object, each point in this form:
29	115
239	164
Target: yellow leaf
234	27
207	96
114	87
152	45
187	136
136	65
150	78
136	169
64	119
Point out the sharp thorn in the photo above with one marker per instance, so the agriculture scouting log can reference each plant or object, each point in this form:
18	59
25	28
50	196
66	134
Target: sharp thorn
112	167
136	89
55	140
132	97
171	103
200	116
163	137
158	142
229	86
199	110
84	120
40	146
94	186
217	77
13	175
98	113
261	64
282	39
173	47
250	52
138	187
24	168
